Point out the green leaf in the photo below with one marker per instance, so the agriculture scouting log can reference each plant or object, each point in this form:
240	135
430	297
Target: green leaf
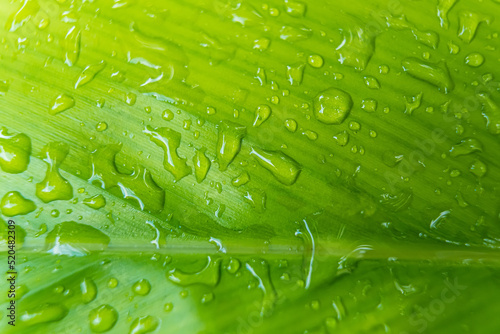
250	167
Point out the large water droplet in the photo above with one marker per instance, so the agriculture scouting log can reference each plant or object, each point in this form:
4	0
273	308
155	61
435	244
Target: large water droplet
332	106
54	186
103	318
71	238
14	204
169	140
285	169
15	151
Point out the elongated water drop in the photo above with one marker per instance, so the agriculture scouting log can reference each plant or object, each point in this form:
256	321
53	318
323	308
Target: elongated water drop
435	74
262	113
43	314
285	169
228	142
465	147
74	239
138	186
295	74
89	73
209	275
15	151
54	186
260	270
89	290
443	8
72	46
201	165
143	325
28	10
61	103
169	140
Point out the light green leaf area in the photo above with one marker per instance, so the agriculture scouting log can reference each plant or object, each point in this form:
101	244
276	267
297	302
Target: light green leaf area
214	166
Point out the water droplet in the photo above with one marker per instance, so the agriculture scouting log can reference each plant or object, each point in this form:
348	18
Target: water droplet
14	204
167	115
101	126
354	126
474	59
43	314
15	151
429	38
465	147
478	168
468	22
261	76
54	186
260	270
369	105
72	46
262	113
491	112
168	307
332	106
138	186
443	8
169	140
295	33
229	142
412	103
261	44
95	202
61	103
435	74
240	180
315	61
233	266
141	287
112	283
89	73
55	213
74	239
356	48
257	199
143	325
291	125
103	318
285	169
28	10
342	138
391	159
311	135
201	165
371	82
89	290
209	275
295	8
